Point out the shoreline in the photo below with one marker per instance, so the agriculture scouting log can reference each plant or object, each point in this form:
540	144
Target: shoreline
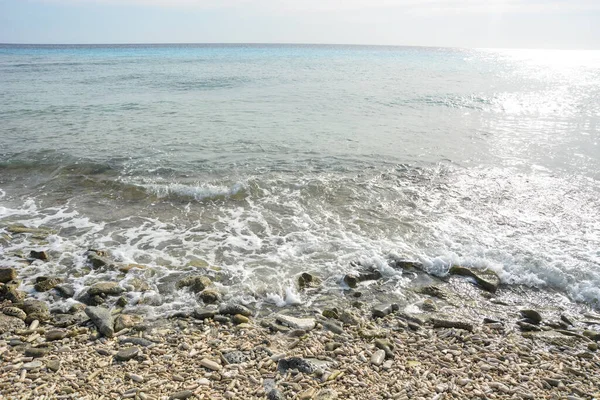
439	347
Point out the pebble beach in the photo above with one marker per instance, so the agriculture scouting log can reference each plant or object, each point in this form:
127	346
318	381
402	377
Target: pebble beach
445	347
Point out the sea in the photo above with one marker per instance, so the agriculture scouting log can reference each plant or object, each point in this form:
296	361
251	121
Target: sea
262	162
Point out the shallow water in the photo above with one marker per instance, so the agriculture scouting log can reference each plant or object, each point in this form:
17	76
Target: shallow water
266	161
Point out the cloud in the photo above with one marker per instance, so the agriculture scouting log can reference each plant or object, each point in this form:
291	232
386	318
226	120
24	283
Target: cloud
337	6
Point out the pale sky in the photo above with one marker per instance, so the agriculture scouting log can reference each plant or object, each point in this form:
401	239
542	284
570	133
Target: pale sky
560	24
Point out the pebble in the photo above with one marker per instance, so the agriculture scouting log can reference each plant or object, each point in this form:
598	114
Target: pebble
205	362
127	353
135	378
305	324
185	394
378	357
33	365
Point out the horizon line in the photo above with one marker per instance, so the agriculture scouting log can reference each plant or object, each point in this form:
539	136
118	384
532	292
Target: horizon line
288	44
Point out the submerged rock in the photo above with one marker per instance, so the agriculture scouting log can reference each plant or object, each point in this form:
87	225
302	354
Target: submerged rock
105	288
195	283
210	296
204	313
39	255
66	291
486	279
7	274
102	318
306	280
47	284
22	229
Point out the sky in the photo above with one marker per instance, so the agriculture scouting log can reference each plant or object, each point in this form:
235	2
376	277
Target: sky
547	24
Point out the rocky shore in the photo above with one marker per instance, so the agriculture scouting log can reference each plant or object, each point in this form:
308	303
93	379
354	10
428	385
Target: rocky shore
461	337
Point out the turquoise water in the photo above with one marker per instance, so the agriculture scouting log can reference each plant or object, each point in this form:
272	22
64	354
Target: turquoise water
268	160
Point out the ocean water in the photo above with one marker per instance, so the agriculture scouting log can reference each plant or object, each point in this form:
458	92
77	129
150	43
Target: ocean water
265	161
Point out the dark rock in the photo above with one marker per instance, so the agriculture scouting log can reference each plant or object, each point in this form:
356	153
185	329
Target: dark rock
55	334
527	327
351	281
47	284
7	274
566	320
10	324
122	301
66	320
300	364
595	336
491	321
240	319
102	318
36	352
331	313
39	316
405	264
232	309
486	279
123	321
442	323
381	310
127	354
204	313
306	280
235	357
275	394
105	288
428	305
139	285
210	296
195	283
386	346
433	291
39	255
21	229
66	291
531	315
223	319
348	318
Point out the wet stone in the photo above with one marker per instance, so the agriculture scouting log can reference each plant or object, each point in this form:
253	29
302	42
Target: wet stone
47	284
381	310
7	274
105	288
66	291
240	319
333	327
204	313
102	318
232	309
10	324
39	255
531	315
14	312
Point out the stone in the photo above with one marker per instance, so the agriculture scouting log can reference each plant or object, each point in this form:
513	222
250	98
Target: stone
331	313
232	309
240	319
275	394
305	324
204	313
22	229
66	320
212	365
532	315
128	267
593	335
433	291
7	274
235	357
184	394
98	260
195	283
378	357
39	255
326	394
53	365
135	378
102	318
306	281
527	327
210	296
333	327
348	318
39	316
66	291
14	312
127	353
486	279
385	346
139	285
442	323
47	284
351	281
428	305
33	365
15	296
36	352
105	288
122	301
55	334
31	306
303	365
123	321
381	310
